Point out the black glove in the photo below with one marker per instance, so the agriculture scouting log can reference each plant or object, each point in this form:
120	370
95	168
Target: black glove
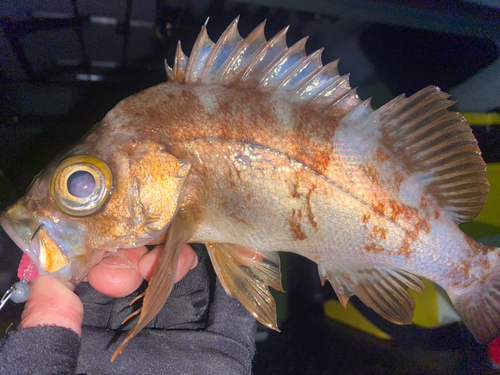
190	335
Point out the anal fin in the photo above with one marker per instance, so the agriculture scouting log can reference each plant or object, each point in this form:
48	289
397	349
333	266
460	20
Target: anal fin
385	290
245	274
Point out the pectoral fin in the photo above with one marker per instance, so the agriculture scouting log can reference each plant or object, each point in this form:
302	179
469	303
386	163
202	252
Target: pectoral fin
245	274
162	282
385	290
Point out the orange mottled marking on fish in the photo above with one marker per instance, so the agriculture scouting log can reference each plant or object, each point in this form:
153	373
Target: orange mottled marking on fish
380	232
405	249
371	173
462	275
412	235
466	267
312	139
366	218
372	247
381	155
295	192
238	173
398	179
309	212
424	204
398	211
460	282
428	209
230	179
240	220
477	248
485	263
379	208
295	226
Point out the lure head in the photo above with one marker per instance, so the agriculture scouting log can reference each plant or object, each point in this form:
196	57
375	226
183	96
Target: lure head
100	196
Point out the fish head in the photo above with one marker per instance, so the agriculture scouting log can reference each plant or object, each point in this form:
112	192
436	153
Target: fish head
93	200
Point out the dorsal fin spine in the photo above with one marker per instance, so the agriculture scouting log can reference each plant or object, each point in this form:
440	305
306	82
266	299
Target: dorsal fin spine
325	76
337	108
331	92
358	112
230	35
233	67
265	55
201	50
313	62
180	63
169	71
274	73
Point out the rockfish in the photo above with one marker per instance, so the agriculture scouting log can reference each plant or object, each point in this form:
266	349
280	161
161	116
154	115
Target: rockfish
252	148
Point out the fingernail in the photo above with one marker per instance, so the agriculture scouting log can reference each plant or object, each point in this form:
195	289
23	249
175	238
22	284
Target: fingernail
195	262
117	260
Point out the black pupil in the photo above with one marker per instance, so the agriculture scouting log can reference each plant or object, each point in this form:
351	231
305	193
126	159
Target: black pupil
81	184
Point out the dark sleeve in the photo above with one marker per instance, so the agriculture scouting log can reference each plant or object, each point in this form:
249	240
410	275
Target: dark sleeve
40	350
192	334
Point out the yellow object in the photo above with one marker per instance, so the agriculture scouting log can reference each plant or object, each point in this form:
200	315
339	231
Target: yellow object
482	118
486	226
491	211
432	310
352	317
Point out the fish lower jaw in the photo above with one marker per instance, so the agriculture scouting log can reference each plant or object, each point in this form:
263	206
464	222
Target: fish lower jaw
41	249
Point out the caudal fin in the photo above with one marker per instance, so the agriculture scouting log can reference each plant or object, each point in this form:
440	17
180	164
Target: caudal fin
479	307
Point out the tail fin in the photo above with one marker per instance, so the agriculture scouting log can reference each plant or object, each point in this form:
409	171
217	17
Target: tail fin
479	307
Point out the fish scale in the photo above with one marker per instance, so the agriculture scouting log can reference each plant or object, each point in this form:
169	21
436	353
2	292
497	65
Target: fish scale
254	147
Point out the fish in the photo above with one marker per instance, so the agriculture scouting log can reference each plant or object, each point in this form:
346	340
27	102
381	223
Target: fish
253	147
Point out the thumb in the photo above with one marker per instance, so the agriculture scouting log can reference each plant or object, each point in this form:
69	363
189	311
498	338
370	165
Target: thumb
52	303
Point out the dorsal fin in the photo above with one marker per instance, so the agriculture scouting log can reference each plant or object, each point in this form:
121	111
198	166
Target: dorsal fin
434	143
268	65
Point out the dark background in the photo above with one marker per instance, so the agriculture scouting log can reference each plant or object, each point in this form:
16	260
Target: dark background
65	64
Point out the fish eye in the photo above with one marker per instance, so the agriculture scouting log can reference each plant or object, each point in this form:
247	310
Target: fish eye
81	185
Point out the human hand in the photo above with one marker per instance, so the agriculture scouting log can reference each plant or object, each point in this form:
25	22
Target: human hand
53	303
199	330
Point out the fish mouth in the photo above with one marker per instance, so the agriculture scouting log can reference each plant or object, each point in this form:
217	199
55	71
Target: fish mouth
55	249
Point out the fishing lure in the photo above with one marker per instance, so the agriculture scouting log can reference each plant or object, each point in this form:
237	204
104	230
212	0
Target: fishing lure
20	291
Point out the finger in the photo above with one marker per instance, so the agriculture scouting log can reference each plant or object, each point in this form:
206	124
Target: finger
118	275
187	261
52	303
